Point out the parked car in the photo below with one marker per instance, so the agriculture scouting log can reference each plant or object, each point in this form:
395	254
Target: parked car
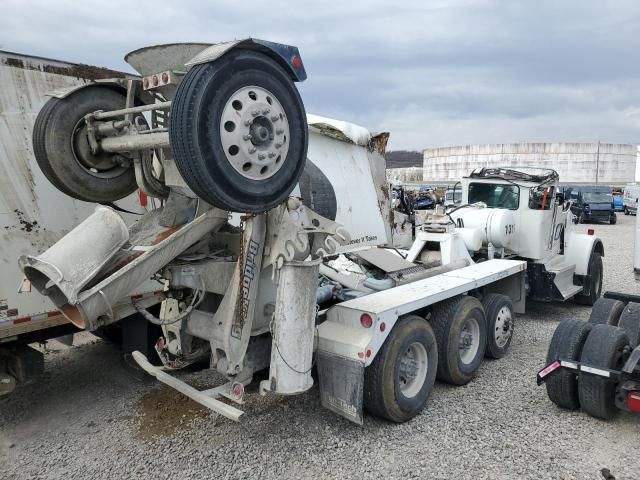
630	199
591	204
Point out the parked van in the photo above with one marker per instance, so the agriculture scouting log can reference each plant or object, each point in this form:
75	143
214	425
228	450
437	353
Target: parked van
631	195
591	203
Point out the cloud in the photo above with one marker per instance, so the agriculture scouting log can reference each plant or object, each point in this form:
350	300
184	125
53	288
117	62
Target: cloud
433	73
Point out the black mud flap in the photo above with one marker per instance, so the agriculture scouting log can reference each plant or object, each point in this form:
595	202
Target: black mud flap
341	385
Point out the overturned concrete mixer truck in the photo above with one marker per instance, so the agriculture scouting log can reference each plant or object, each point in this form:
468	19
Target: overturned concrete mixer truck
306	277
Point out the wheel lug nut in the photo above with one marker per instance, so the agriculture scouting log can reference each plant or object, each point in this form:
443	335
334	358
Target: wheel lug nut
279	131
271	154
261	156
265	111
278	145
255	113
252	150
246	137
247	123
275	118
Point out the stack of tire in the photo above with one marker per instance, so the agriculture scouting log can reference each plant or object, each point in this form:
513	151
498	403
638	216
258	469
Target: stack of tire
605	341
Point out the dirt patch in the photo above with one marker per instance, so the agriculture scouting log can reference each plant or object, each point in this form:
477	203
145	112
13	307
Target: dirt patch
165	411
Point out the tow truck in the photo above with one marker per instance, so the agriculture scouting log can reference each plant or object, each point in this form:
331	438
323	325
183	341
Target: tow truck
272	243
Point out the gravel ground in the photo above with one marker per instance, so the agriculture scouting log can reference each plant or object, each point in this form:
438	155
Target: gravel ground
90	418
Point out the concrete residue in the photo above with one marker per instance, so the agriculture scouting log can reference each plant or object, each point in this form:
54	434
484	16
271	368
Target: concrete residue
70	70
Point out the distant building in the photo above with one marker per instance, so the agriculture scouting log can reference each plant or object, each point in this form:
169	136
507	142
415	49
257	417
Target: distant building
576	163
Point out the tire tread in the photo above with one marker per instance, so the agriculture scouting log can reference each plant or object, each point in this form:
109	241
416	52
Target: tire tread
597	394
566	343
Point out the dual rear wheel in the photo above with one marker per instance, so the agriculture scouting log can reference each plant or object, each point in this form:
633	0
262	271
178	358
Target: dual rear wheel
598	343
449	346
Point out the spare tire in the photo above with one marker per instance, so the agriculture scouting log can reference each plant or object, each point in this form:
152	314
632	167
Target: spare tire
62	151
606	311
238	132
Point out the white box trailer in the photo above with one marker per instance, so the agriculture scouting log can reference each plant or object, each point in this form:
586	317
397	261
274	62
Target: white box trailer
34	215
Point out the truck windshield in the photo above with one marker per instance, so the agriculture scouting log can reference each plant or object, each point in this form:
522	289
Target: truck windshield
495	195
596	197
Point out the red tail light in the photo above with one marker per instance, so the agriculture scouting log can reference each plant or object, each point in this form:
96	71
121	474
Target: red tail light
365	320
591	231
633	401
296	61
165	77
154	80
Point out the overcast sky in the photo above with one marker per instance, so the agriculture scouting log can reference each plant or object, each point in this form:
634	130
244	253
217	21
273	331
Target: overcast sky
432	72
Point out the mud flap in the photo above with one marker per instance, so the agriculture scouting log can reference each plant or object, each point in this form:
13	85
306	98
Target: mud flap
341	385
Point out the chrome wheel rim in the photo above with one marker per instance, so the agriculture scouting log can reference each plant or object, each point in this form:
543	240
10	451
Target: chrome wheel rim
254	133
414	365
503	327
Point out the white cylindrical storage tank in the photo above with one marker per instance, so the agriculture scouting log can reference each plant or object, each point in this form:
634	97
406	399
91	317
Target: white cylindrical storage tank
293	328
496	225
596	163
472	238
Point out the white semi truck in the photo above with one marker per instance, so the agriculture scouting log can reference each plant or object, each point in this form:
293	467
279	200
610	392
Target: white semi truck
309	276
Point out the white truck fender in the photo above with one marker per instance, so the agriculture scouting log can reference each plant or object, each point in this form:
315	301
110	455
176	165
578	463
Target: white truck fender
578	249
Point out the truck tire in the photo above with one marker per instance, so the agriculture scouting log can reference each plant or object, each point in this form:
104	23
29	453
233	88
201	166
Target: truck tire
238	132
604	348
626	211
460	327
613	219
606	311
498	311
566	343
62	152
630	323
593	288
398	382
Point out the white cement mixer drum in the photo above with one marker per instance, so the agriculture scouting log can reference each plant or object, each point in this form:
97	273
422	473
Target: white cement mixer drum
497	225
